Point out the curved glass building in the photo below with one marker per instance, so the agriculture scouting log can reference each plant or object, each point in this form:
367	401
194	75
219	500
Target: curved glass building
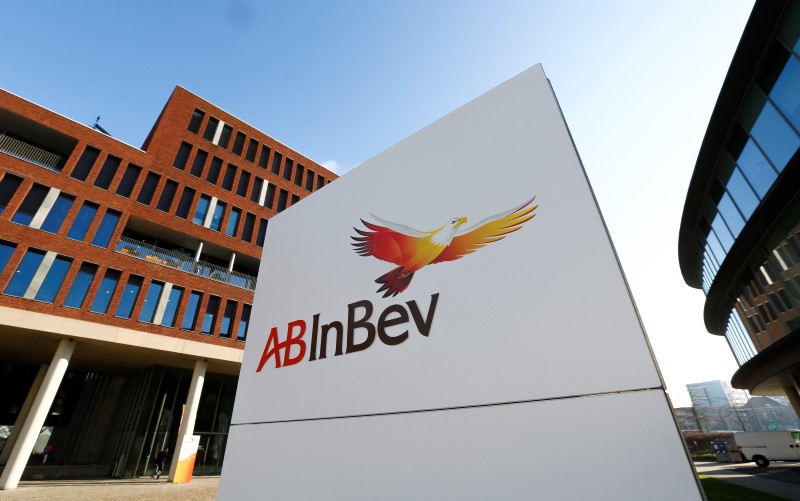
740	231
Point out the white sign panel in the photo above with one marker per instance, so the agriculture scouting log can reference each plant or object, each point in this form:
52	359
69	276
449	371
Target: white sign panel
467	266
611	447
542	313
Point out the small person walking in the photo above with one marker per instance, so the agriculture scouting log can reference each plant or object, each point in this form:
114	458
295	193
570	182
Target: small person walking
161	457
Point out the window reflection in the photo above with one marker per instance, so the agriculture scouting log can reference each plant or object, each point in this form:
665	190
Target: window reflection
767	306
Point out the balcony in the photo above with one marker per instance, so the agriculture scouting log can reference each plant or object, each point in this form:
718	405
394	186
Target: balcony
30	153
184	262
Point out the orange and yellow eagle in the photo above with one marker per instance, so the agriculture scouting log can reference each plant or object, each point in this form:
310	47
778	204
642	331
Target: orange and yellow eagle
413	249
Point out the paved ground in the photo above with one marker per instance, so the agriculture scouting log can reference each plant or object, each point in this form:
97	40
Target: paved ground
779	478
140	489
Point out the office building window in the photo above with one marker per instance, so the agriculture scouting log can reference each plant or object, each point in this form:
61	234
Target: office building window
85	164
233	222
210	317
211	129
22	277
227	318
225	137
244	182
107	172
53	280
269	200
295	198
196	120
182	156
216	219
247	230
276	163
252	147
168	320
106	229
57	213
148	188
80	285
129	296
167	195
6	251
82	221
202	209
244	323
185	203
298	175
105	292
29	207
282	199
199	162
287	169
128	181
255	193
262	232
213	171
230	174
190	316
310	180
264	157
8	187
320	181
238	143
151	301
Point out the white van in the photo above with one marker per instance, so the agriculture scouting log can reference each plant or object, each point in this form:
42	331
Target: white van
765	446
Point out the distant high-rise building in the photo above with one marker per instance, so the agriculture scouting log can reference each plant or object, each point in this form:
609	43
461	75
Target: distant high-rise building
716	394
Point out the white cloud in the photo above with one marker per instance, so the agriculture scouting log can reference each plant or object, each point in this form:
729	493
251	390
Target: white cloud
335	167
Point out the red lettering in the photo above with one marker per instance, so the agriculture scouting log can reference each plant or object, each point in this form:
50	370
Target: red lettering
291	340
271	349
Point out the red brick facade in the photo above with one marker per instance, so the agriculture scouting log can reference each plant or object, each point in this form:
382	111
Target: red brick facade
253	162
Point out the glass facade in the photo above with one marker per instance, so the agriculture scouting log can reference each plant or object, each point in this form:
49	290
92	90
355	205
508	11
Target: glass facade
765	306
151	301
216	219
227	318
202	209
53	280
190	316
30	205
129	296
233	222
81	224
25	272
8	186
175	294
764	139
80	286
244	323
107	227
106	291
6	251
57	213
210	317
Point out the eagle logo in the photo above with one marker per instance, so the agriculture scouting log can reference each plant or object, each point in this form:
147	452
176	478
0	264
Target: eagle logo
411	249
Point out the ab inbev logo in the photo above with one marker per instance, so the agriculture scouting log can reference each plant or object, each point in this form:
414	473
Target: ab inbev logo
411	250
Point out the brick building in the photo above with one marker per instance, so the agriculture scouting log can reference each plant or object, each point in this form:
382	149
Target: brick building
126	279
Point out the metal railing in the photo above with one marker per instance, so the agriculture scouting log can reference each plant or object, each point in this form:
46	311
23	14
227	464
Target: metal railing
184	262
30	153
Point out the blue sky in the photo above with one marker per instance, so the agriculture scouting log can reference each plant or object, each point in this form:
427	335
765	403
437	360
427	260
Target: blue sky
342	81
